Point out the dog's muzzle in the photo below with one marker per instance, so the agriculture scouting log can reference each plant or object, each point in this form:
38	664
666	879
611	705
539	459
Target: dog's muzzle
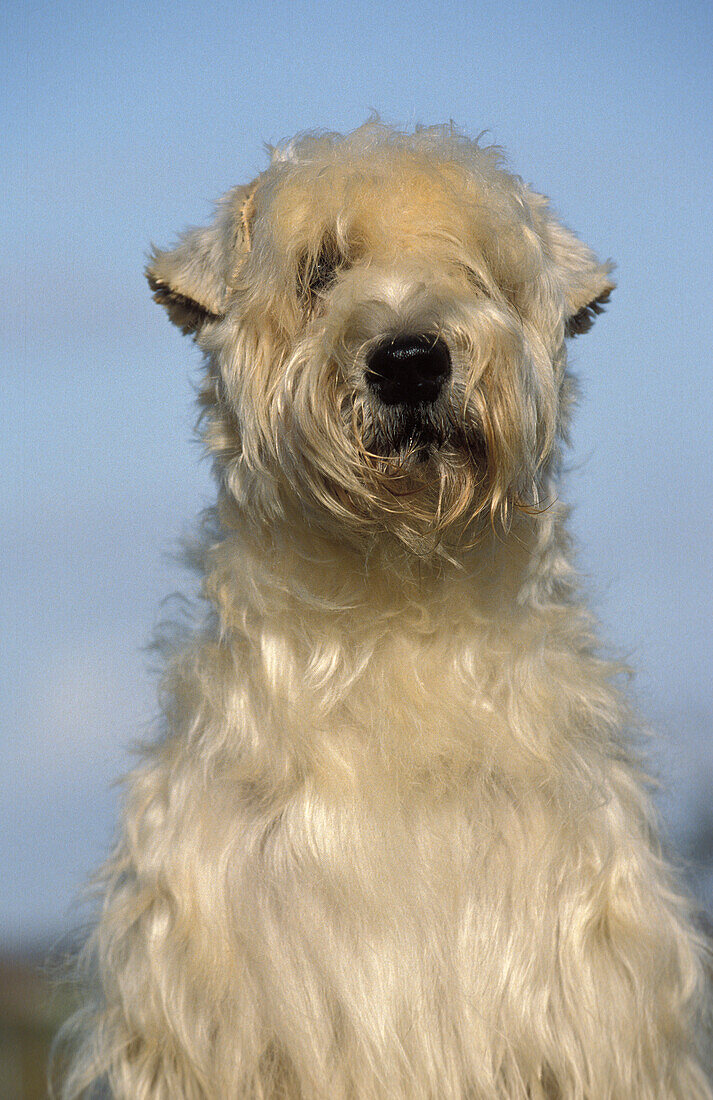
408	370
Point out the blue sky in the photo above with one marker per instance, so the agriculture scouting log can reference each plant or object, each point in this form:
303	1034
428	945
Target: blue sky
124	122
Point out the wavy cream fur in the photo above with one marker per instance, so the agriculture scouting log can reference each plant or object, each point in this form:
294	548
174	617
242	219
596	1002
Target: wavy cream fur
392	842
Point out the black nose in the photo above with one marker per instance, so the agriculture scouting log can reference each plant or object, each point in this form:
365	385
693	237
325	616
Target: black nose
408	370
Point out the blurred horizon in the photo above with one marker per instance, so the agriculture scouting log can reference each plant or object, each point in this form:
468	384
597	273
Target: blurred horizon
126	122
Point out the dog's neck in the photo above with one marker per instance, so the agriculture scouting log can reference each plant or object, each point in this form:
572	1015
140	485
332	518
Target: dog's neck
316	622
294	569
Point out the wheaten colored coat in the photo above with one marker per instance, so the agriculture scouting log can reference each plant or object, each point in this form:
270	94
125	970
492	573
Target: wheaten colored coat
391	843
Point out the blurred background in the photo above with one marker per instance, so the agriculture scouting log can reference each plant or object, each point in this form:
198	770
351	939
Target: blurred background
123	122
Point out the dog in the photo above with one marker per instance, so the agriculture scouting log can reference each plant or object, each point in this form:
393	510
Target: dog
394	839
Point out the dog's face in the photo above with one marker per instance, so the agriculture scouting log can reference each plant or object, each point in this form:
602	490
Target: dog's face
384	317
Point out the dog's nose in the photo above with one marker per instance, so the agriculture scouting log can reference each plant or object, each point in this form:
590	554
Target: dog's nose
408	370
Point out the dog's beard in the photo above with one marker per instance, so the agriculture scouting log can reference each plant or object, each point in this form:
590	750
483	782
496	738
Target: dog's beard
422	469
409	437
409	431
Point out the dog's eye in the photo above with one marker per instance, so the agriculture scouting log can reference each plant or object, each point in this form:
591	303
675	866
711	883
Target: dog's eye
317	272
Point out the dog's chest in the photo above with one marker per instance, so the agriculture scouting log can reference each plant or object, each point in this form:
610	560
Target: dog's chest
431	904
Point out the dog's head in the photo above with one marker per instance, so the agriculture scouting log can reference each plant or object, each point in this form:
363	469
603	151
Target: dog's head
384	317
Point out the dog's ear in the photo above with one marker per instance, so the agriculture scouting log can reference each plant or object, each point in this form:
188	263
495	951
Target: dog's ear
587	283
193	280
584	281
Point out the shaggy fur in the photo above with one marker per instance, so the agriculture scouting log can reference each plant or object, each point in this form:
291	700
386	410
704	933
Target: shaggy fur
392	842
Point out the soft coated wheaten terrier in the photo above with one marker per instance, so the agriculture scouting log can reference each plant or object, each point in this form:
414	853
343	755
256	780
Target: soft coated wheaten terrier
392	842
